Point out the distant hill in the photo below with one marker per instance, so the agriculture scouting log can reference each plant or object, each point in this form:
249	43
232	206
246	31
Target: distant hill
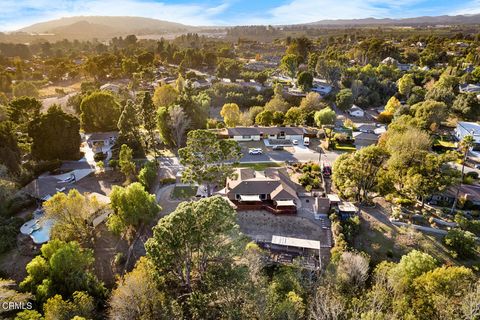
437	20
87	27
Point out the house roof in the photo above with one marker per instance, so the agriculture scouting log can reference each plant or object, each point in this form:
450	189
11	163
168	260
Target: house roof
363	136
101	136
296	242
250	131
355	108
322	205
272	181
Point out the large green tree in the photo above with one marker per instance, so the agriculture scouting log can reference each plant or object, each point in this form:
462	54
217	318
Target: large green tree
55	135
62	268
207	159
129	127
99	112
133	207
357	175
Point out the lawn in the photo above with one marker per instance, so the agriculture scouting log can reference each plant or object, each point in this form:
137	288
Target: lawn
184	192
344	147
259	166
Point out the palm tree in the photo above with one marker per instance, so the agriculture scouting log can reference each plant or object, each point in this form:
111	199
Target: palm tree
465	144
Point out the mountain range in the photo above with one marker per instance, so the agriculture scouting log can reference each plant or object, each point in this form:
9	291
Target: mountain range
106	27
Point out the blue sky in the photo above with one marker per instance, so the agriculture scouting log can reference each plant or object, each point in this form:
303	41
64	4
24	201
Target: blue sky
15	14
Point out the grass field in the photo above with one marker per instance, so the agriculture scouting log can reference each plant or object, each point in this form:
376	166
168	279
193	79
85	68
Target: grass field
384	241
184	192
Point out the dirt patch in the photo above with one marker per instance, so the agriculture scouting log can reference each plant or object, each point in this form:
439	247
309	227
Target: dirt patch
261	225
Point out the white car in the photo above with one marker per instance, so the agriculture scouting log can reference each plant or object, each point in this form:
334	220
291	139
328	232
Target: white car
295	142
255	151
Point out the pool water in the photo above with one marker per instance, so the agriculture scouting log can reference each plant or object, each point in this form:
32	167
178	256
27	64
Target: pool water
38	228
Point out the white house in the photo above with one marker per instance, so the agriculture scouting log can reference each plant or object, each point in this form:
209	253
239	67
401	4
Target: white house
469	128
469	88
321	86
356	111
259	133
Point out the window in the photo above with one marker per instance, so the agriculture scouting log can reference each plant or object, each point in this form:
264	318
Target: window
246	137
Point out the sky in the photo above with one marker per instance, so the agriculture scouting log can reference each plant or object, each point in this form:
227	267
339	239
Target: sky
15	14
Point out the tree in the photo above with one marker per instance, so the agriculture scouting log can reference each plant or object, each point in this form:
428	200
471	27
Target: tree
55	135
62	268
429	113
23	110
289	64
467	106
465	144
100	112
179	122
438	293
127	166
81	305
305	81
325	117
128	127
164	96
148	175
312	101
164	127
405	84
277	118
277	103
358	174
344	99
463	243
133	207
430	175
192	241
139	285
149	120
9	150
411	266
253	112
25	89
352	271
72	213
392	105
295	116
207	159
231	114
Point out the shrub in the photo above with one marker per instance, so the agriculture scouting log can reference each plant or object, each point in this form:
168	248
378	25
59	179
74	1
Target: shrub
462	243
113	163
99	156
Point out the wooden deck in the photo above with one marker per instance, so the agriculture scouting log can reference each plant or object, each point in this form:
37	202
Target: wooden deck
264	205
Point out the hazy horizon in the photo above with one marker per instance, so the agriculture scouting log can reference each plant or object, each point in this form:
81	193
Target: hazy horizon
15	15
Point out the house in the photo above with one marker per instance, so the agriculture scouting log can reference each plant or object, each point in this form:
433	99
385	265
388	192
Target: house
466	192
364	139
469	88
110	87
389	61
97	140
321	207
356	111
285	134
346	210
469	129
200	84
321	87
271	190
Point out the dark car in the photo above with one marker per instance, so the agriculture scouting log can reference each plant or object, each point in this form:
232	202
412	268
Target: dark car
277	148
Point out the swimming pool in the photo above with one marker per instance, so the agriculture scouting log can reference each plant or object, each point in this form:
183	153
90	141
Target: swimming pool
38	228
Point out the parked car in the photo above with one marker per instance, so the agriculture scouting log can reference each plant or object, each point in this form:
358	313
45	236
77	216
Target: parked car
306	141
295	142
255	151
277	148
